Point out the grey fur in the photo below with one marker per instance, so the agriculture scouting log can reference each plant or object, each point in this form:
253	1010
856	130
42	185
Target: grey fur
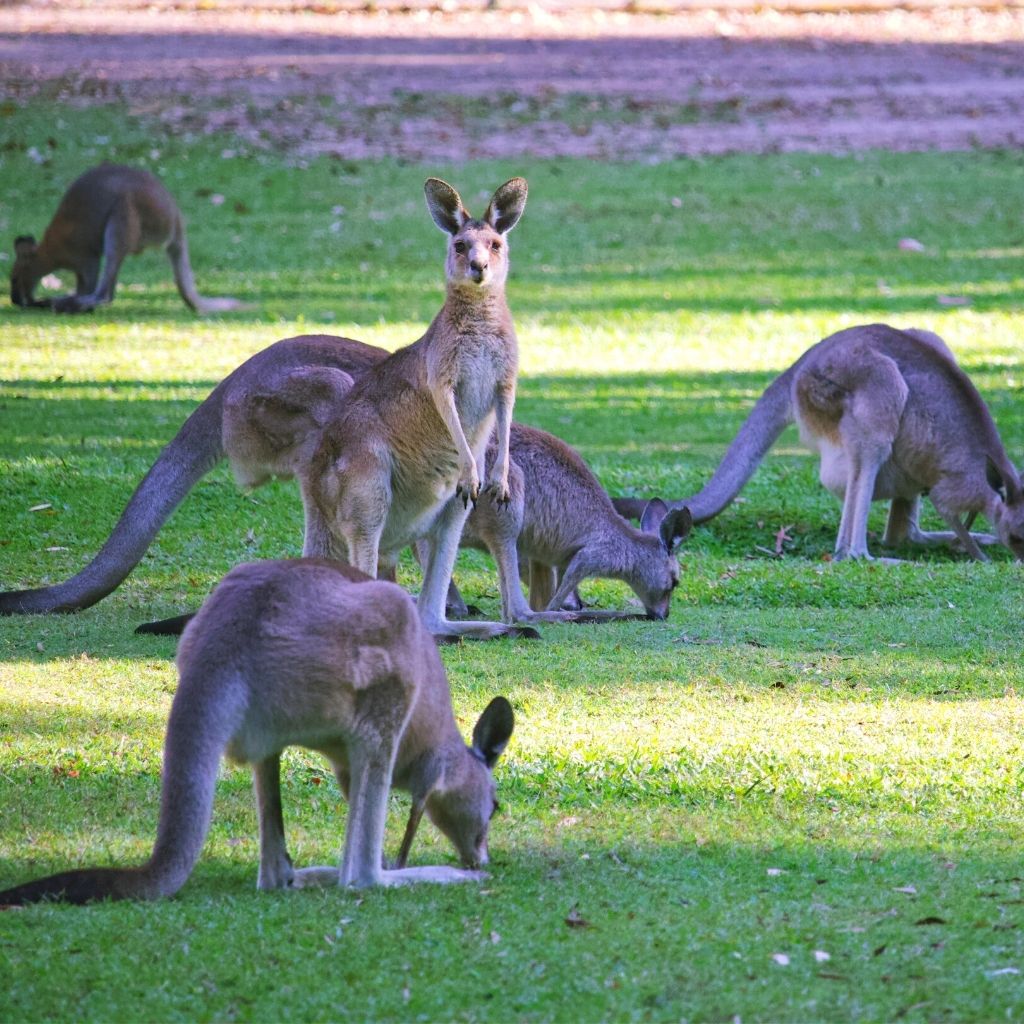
311	653
892	416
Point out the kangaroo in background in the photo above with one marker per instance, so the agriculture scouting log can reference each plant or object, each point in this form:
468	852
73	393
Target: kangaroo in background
311	653
892	416
107	213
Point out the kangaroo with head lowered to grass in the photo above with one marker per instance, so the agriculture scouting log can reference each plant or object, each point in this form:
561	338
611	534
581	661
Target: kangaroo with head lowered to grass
107	213
311	653
892	416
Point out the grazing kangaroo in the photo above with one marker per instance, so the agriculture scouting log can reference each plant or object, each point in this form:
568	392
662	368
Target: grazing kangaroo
892	416
562	524
107	213
310	653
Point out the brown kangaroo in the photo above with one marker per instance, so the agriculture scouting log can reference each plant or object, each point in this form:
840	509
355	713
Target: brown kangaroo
310	653
107	213
892	416
412	432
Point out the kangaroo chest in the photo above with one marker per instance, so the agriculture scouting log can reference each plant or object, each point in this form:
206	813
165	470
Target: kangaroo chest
480	364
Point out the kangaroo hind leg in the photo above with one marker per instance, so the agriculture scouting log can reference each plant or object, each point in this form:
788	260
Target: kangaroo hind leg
120	237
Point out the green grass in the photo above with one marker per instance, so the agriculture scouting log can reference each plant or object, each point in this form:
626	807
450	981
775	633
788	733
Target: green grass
806	757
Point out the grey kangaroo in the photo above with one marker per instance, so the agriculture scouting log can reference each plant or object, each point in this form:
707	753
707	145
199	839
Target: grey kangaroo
561	523
311	653
892	416
107	213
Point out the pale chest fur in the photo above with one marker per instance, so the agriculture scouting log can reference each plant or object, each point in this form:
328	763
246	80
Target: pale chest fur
480	365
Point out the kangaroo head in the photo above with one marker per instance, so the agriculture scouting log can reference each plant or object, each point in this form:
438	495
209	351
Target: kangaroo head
25	273
1008	510
477	249
656	574
463	806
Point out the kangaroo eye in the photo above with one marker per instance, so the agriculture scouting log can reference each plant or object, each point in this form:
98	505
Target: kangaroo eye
460	247
495	246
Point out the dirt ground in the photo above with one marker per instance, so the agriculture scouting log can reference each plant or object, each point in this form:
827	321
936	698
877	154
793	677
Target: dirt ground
432	84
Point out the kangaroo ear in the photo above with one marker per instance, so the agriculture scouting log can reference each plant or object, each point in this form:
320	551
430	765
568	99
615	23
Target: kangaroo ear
25	245
675	527
654	512
507	205
445	205
995	477
493	730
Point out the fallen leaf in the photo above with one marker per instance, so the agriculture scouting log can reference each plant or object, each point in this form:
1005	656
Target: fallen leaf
931	919
495	938
781	536
821	956
781	959
217	199
772	872
911	245
907	890
952	300
57	548
574	919
41	508
999	971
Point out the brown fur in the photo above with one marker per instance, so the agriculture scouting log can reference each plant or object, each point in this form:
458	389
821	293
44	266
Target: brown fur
107	213
310	653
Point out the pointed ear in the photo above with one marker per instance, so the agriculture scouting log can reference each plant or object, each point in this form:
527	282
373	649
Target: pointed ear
995	477
493	730
654	512
445	205
675	527
507	205
25	245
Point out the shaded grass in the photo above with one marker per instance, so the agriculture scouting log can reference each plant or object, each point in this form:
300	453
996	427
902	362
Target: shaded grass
770	772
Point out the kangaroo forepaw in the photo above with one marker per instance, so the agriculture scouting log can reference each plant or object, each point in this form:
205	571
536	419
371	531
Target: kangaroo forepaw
500	493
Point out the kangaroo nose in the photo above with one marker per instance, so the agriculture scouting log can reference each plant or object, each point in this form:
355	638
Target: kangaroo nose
477	265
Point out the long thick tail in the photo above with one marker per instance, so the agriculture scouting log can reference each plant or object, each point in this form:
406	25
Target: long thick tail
772	413
195	450
769	417
201	723
177	251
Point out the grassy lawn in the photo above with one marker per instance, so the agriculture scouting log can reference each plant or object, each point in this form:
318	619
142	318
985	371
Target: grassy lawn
799	798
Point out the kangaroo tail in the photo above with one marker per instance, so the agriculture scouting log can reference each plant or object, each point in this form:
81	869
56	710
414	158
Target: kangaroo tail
173	626
195	450
769	417
772	413
202	721
177	251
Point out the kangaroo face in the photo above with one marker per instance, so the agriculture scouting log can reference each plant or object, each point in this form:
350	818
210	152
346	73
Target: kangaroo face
1010	526
477	256
25	272
658	577
464	813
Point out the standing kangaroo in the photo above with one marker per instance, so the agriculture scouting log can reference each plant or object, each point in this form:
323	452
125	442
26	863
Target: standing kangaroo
892	416
412	432
311	653
107	213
